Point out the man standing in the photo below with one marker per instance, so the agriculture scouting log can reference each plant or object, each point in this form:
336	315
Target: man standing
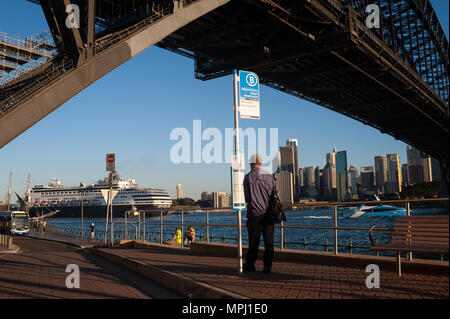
258	186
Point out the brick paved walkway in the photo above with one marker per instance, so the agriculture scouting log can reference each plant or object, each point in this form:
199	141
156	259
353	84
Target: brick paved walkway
39	272
291	280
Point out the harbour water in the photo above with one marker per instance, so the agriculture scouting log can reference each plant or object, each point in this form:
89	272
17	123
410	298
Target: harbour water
349	241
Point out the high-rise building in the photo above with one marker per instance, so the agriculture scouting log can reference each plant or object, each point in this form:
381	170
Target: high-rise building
415	168
204	196
435	170
310	181
221	199
421	168
367	178
331	162
393	184
285	186
352	175
289	163
179	191
405	179
341	176
380	172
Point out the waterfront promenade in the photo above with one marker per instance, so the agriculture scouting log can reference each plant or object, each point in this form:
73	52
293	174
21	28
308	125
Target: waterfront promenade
208	271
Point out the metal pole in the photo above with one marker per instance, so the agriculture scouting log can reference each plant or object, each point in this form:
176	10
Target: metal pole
143	225
82	215
240	266
207	226
236	149
107	219
335	230
281	236
408	213
139	225
112	223
161	227
182	221
126	227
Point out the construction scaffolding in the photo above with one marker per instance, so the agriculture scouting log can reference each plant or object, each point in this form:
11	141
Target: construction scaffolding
18	56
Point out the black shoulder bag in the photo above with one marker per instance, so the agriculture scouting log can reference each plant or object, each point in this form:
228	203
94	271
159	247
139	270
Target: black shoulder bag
275	210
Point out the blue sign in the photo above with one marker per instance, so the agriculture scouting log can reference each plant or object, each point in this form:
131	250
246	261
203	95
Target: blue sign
249	95
248	85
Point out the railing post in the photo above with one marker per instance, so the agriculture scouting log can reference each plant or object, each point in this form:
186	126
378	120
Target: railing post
143	224
304	243
335	230
281	236
126	227
207	226
182	222
408	213
160	227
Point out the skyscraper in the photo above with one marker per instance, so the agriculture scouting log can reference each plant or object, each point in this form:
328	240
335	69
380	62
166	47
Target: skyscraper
421	168
285	186
393	184
310	181
179	191
341	176
367	177
331	173
352	175
289	162
380	172
405	179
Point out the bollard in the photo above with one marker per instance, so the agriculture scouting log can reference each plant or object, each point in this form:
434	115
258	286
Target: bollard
10	243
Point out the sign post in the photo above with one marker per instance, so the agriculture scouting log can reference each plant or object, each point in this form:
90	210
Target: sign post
247	104
111	167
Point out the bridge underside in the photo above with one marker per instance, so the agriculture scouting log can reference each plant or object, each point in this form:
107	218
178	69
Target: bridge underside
310	51
394	79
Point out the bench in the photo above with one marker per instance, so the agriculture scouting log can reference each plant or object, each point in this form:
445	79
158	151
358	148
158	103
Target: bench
423	234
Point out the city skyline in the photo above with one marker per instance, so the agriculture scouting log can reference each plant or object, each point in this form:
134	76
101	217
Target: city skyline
71	142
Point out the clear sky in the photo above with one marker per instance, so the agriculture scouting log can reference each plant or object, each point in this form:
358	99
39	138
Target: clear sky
132	111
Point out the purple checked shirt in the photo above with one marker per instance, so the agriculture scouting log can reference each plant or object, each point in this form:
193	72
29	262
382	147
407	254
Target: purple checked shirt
258	186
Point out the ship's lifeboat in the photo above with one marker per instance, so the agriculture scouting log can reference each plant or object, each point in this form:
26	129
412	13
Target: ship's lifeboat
64	202
43	203
75	202
54	202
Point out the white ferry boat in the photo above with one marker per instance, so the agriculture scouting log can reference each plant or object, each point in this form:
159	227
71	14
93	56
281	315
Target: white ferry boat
68	200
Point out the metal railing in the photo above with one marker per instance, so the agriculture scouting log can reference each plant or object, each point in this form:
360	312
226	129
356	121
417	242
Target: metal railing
144	229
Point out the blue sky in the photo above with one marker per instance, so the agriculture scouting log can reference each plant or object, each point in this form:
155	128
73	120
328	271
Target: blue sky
132	111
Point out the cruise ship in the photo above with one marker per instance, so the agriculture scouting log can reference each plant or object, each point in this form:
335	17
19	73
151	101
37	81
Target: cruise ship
54	196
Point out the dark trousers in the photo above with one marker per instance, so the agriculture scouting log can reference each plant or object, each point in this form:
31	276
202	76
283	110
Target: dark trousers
256	226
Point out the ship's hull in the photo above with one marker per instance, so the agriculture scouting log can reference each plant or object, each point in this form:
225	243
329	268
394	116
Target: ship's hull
94	211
